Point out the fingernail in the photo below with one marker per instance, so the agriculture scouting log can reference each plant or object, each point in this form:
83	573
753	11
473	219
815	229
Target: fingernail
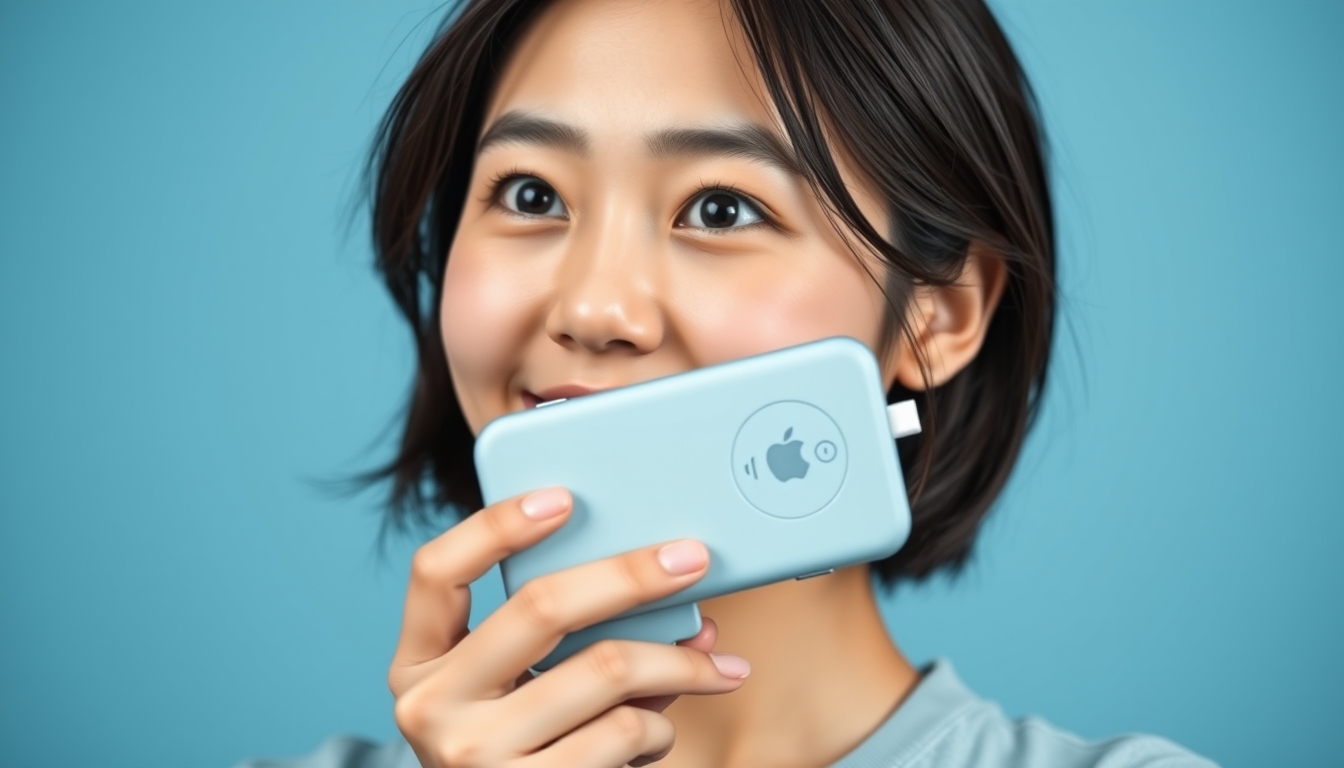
733	667
546	503
682	557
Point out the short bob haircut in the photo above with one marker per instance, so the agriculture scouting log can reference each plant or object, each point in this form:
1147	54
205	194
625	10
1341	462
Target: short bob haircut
926	95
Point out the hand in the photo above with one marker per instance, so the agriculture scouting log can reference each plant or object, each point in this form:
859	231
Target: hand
461	701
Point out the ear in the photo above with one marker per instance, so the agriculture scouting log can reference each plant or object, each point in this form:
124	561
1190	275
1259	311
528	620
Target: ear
949	323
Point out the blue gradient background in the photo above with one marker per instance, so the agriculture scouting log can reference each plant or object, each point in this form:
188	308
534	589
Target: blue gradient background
190	336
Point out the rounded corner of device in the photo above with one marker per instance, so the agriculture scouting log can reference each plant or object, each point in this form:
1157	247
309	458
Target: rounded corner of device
854	344
894	543
697	620
901	538
898	536
483	442
849	340
856	351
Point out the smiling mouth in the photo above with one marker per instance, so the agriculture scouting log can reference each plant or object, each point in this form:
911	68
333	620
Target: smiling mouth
554	394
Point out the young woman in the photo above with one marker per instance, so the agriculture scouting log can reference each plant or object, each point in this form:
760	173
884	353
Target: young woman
577	195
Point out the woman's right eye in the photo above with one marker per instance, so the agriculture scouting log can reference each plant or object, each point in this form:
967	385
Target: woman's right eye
531	196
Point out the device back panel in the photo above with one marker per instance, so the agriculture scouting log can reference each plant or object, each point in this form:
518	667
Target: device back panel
657	461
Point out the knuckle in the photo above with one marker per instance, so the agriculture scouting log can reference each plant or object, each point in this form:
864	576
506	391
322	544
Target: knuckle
628	725
663	736
411	715
540	604
632	575
425	567
458	752
610	662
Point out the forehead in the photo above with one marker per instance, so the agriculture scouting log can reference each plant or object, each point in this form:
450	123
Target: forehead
622	67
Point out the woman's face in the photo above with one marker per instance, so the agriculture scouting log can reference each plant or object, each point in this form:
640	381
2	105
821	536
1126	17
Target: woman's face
632	215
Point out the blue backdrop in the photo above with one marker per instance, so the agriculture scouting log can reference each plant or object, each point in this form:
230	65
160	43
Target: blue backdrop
191	337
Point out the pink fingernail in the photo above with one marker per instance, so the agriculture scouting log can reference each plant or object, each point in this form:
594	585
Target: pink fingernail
546	503
733	667
682	557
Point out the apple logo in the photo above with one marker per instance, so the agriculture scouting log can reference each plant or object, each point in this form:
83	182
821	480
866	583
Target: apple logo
786	459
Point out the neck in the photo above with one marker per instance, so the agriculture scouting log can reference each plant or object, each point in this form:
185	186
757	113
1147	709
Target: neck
824	675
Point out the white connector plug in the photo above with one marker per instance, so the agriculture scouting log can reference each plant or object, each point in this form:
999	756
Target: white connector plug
903	418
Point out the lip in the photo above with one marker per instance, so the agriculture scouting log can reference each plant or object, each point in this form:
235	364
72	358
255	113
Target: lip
562	391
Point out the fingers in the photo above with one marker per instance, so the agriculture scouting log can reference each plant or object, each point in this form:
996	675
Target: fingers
704	639
532	622
704	642
606	675
438	598
469	698
619	736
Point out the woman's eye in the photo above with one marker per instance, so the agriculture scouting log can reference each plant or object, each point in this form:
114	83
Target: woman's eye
717	209
532	197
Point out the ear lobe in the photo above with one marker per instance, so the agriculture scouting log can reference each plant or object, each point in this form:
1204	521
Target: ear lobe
949	323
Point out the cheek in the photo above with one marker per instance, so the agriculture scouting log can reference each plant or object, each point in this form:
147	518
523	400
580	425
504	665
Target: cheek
486	317
764	306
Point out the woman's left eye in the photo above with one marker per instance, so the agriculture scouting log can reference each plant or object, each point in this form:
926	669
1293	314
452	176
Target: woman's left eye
719	209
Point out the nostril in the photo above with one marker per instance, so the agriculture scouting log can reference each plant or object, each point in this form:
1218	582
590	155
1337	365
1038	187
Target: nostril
569	341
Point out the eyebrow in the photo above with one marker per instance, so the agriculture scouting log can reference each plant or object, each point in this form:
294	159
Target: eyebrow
746	140
522	128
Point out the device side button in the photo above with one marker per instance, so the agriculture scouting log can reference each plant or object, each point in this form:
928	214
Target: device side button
814	575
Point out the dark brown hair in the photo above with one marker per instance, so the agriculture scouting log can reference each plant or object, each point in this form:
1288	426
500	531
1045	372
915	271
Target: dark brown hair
925	95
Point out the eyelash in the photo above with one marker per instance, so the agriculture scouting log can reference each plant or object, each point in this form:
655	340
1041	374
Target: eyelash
501	180
766	219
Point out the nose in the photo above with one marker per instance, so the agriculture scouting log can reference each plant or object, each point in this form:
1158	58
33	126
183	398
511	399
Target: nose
606	297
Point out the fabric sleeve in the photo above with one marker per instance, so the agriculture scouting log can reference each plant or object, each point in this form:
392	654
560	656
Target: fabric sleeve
345	752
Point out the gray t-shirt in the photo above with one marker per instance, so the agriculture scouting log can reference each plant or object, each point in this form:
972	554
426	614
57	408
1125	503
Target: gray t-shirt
941	724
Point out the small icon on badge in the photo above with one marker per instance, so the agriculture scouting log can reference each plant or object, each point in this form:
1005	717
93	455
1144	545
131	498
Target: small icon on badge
825	451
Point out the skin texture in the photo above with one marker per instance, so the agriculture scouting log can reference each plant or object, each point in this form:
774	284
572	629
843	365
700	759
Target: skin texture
617	281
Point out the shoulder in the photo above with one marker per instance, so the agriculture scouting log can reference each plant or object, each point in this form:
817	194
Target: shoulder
1034	742
346	752
943	724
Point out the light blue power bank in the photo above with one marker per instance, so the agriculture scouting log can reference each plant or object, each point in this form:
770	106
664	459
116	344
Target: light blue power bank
783	464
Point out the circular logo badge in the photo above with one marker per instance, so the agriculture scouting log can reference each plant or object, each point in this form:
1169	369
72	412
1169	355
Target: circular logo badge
789	459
